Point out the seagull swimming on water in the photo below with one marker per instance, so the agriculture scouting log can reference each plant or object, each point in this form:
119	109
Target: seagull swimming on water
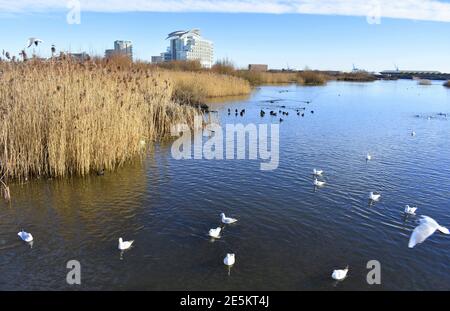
318	183
410	210
340	274
123	245
215	233
425	229
317	172
229	260
25	236
374	196
227	220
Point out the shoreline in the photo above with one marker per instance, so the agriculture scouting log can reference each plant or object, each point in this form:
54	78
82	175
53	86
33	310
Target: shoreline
72	136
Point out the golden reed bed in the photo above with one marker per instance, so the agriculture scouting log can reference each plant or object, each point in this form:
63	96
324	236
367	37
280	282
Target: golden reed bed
64	118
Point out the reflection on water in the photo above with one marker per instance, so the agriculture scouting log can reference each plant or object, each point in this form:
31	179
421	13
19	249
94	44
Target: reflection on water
226	101
290	236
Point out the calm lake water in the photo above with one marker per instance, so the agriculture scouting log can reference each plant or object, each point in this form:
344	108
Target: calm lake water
288	237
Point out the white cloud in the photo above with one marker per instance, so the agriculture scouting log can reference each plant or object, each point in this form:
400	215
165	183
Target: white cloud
431	10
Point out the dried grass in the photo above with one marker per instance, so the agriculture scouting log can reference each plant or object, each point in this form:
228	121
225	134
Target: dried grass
65	118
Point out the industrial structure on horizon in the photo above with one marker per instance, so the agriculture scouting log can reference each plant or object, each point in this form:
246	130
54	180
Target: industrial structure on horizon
187	46
411	74
121	47
258	67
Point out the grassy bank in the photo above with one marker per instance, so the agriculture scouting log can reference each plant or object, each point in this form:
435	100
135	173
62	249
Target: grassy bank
308	77
256	78
196	87
60	119
356	77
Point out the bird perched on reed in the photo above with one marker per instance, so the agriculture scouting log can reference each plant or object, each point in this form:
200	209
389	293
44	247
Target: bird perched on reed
24	55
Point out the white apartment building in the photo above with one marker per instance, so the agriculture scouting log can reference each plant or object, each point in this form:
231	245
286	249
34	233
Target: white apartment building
121	47
190	45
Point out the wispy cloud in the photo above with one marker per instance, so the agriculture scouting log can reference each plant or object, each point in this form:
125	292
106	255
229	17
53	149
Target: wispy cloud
431	10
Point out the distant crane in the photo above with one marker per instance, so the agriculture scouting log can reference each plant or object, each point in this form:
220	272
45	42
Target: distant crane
287	67
356	69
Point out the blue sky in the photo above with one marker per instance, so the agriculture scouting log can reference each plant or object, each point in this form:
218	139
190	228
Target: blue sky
319	41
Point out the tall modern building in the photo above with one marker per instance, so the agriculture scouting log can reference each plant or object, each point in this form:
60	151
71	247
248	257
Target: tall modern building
189	45
121	47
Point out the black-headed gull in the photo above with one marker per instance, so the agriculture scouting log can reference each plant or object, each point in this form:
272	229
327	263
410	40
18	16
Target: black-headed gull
318	183
374	196
425	229
340	274
227	220
123	245
215	233
410	210
317	172
229	259
34	41
25	236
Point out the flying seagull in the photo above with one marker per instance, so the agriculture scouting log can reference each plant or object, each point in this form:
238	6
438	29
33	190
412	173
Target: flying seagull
426	228
34	41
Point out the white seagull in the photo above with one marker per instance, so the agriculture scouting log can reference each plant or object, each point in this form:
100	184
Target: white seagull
25	236
368	157
413	133
374	196
34	41
410	210
426	228
318	183
215	233
317	172
229	260
227	220
340	274
123	245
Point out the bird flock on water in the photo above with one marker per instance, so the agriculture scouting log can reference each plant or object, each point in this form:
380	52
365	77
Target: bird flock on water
427	225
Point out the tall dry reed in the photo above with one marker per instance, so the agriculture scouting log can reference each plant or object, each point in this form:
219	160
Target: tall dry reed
260	78
309	77
195	87
64	118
